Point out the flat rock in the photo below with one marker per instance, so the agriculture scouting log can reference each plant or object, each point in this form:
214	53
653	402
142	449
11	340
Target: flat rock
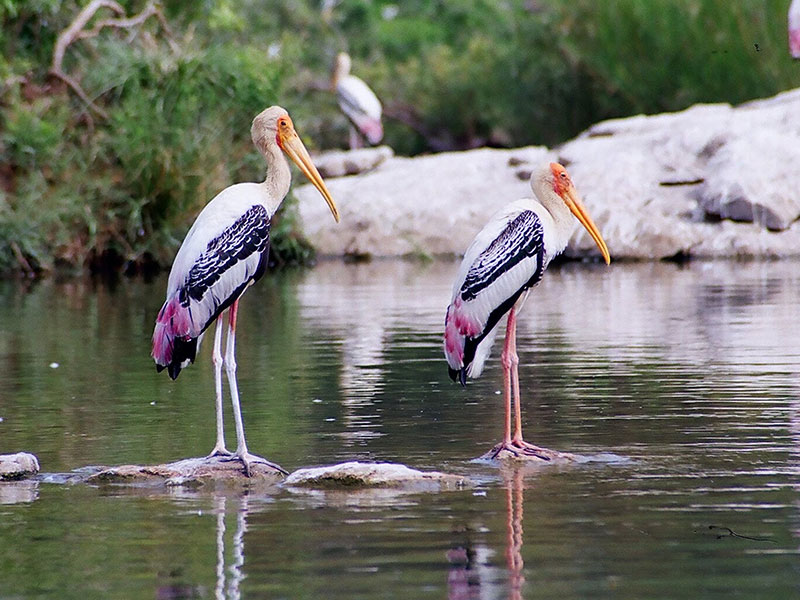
18	466
543	456
710	181
187	472
360	475
338	163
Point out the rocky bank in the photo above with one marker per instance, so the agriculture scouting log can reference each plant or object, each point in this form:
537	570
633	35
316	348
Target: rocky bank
710	181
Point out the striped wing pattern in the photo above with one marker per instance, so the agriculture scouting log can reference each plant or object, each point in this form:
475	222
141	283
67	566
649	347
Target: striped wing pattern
219	275
509	265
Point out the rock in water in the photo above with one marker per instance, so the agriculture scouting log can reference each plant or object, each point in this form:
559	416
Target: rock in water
187	472
359	475
544	456
18	466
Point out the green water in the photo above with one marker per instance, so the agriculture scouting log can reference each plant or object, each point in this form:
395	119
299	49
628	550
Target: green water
680	387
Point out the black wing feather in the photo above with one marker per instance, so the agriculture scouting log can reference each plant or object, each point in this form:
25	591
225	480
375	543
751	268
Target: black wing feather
249	234
522	238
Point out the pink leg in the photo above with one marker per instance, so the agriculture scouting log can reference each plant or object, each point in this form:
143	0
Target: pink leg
515	445
512	333
506	360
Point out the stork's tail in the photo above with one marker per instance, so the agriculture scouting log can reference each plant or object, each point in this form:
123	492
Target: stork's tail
456	333
173	345
370	127
466	343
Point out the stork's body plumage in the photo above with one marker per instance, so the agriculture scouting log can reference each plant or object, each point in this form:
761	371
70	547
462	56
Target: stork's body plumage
794	29
358	102
224	252
505	260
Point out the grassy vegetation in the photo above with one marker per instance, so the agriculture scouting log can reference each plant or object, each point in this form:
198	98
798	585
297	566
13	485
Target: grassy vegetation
77	189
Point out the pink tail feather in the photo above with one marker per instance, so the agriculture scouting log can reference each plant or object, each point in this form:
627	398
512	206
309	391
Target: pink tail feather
459	325
370	128
174	321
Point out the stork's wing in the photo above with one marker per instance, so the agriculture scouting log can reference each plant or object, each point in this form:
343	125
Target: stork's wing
361	106
509	263
217	277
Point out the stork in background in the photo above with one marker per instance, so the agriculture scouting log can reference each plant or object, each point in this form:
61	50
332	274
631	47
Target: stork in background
794	28
224	252
358	103
507	258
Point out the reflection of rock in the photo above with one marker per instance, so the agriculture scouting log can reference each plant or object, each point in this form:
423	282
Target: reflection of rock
16	492
190	471
18	466
337	163
657	186
382	475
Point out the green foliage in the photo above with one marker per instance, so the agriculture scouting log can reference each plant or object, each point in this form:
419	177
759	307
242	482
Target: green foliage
450	74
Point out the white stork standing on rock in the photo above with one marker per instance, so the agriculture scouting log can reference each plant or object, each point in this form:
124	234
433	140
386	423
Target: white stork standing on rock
358	103
504	261
224	252
794	28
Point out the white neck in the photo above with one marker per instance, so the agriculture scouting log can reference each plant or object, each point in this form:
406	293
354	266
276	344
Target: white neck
563	220
278	179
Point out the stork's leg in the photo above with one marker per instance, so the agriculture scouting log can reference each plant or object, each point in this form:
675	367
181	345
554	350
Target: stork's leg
505	359
230	369
355	139
515	445
514	359
216	360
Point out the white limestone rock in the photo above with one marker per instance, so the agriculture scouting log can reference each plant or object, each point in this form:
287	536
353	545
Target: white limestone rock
428	205
710	181
338	163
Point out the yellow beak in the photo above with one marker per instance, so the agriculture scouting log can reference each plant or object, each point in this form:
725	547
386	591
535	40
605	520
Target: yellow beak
575	205
293	146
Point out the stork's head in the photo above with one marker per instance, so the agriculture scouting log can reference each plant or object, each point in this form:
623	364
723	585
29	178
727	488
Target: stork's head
341	68
553	183
273	127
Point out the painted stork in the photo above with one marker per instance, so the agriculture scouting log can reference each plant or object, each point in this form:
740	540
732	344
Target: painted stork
224	252
794	28
357	102
504	261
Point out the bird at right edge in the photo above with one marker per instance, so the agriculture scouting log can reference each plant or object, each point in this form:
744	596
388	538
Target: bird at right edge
794	29
504	261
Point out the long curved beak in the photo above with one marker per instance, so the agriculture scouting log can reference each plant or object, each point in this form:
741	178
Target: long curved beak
296	150
575	205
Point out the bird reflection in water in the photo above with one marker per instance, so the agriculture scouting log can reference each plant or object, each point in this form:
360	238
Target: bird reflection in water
465	578
513	479
228	576
233	573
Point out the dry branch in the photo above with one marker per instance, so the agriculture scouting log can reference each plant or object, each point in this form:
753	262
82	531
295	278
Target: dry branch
77	30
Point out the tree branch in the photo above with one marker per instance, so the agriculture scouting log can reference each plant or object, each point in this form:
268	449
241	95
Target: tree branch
77	31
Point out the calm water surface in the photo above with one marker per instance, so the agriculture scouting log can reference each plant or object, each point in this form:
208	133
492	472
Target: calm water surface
680	386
